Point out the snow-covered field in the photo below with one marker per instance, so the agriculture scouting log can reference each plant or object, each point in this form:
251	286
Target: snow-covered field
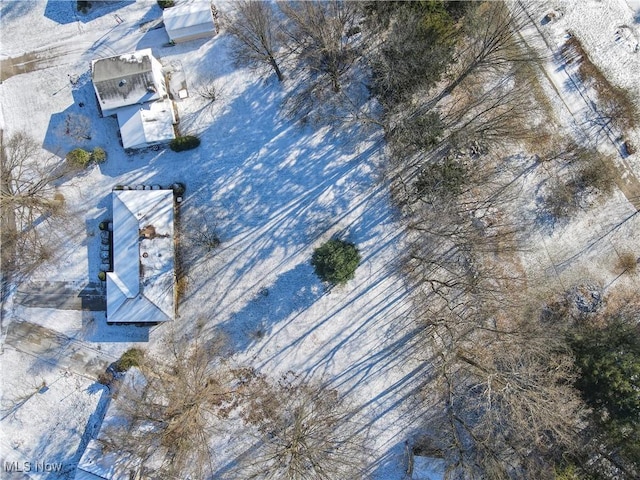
272	190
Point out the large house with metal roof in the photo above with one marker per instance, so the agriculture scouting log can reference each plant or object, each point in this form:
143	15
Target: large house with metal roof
141	287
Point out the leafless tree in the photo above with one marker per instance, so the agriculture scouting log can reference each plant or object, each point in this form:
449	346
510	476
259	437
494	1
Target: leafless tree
208	91
492	42
508	406
168	417
77	127
28	198
320	33
302	431
255	29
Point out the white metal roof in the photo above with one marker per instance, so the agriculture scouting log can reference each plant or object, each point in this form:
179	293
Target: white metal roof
99	463
147	124
96	464
189	19
142	284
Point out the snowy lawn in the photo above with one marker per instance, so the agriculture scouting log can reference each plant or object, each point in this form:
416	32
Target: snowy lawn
272	190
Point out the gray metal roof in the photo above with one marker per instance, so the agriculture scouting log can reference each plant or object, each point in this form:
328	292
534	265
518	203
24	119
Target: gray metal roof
126	79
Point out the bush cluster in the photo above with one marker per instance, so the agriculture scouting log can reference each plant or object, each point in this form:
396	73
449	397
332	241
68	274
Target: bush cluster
628	262
166	3
83	6
98	155
564	197
186	142
336	261
81	158
444	179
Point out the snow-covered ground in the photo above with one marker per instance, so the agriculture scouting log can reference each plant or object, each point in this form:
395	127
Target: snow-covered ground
272	190
589	247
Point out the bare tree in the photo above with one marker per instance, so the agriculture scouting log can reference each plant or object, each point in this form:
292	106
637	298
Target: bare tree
28	197
169	416
77	127
257	37
509	408
303	431
492	42
321	34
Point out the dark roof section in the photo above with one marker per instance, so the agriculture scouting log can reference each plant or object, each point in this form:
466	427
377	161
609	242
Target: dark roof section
120	77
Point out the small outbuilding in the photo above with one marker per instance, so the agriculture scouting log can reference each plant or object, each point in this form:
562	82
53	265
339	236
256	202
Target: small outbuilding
424	463
189	21
427	468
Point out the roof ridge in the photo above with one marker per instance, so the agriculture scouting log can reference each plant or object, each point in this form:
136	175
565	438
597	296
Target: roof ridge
121	285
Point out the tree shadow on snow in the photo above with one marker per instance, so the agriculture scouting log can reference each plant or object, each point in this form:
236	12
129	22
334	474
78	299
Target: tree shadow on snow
80	124
272	184
293	291
66	11
13	10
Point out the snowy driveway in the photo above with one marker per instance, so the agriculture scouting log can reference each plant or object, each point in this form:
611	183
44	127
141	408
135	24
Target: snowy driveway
55	349
61	295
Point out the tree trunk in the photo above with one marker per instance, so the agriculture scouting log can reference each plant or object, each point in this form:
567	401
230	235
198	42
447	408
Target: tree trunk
276	68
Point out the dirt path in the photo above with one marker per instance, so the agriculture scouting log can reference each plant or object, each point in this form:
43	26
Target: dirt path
48	57
627	181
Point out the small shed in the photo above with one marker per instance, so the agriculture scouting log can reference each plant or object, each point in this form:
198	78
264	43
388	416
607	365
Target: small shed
189	22
424	462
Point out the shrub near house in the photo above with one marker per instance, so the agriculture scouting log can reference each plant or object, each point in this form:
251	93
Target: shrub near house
181	144
80	158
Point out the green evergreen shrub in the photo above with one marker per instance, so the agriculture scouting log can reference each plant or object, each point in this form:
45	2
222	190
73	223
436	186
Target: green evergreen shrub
166	3
445	178
78	158
98	155
336	261
187	142
130	358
